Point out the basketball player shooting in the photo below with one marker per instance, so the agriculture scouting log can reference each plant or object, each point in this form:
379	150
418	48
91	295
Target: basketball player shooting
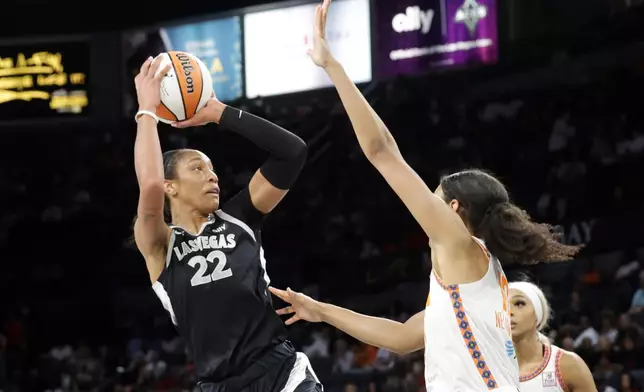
544	367
206	263
472	226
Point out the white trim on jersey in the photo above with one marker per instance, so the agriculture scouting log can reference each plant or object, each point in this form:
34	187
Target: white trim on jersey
298	373
236	221
262	262
211	219
168	254
165	300
231	219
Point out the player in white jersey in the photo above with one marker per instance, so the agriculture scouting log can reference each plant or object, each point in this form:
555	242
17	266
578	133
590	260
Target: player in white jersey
470	222
544	366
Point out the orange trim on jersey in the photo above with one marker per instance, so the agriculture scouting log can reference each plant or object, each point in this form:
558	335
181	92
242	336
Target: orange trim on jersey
487	252
428	301
558	374
544	362
469	339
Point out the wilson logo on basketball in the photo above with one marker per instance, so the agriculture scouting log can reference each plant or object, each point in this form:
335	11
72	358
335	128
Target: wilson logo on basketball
187	71
186	89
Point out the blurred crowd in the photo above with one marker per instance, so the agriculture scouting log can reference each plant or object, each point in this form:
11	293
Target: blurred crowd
80	316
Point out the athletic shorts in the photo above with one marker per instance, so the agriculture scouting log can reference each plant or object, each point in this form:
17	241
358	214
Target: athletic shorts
280	370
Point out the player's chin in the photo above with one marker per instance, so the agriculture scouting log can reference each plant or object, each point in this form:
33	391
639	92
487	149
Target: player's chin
211	205
518	331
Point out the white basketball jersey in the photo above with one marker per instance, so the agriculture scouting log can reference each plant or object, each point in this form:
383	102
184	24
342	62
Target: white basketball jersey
468	343
547	376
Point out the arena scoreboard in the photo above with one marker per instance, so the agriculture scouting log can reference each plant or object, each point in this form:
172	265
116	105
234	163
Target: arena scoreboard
44	81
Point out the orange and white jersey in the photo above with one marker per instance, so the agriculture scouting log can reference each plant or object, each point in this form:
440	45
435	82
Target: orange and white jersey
468	340
547	376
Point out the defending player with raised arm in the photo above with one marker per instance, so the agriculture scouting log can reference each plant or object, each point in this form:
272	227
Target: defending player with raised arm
206	263
472	226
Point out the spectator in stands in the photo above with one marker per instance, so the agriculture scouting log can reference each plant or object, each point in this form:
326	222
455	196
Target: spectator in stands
637	305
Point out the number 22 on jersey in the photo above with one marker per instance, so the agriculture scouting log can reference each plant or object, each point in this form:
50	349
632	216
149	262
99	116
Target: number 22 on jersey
201	263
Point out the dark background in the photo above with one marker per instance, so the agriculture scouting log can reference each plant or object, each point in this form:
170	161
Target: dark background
558	119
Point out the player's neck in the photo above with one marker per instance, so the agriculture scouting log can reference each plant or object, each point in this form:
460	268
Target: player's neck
190	220
529	349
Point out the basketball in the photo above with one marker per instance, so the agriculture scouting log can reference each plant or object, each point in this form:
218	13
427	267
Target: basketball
186	87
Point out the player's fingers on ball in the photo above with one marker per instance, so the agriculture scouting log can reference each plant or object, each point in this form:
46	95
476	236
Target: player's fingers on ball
163	72
184	124
155	66
145	66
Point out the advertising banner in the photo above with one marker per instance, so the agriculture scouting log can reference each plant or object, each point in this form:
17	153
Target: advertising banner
414	36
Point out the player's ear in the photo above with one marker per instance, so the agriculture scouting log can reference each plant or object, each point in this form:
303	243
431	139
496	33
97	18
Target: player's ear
170	188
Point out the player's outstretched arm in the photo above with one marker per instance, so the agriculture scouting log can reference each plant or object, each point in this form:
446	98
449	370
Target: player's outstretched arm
150	231
399	338
434	215
287	151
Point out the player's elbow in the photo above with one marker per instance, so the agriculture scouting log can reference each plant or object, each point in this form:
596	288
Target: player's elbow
374	149
299	148
406	341
405	347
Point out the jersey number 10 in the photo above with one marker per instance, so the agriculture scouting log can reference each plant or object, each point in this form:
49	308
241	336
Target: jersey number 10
200	277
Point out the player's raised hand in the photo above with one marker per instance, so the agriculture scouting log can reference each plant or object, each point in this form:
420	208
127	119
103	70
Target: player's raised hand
210	113
319	51
304	307
148	82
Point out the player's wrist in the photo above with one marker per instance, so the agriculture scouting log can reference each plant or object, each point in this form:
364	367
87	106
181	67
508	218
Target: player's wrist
147	108
332	65
216	111
146	115
322	310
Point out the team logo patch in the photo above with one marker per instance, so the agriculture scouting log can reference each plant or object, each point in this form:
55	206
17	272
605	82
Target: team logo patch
509	349
548	379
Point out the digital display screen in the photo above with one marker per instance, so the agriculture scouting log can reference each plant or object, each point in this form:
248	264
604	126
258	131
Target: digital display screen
275	44
44	80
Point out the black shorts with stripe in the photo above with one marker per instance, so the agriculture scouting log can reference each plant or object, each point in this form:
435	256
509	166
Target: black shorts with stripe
282	369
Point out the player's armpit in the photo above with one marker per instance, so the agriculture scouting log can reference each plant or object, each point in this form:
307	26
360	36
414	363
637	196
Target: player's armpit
151	236
576	373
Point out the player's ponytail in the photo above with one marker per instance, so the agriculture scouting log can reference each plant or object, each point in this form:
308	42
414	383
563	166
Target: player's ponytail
512	236
508	231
